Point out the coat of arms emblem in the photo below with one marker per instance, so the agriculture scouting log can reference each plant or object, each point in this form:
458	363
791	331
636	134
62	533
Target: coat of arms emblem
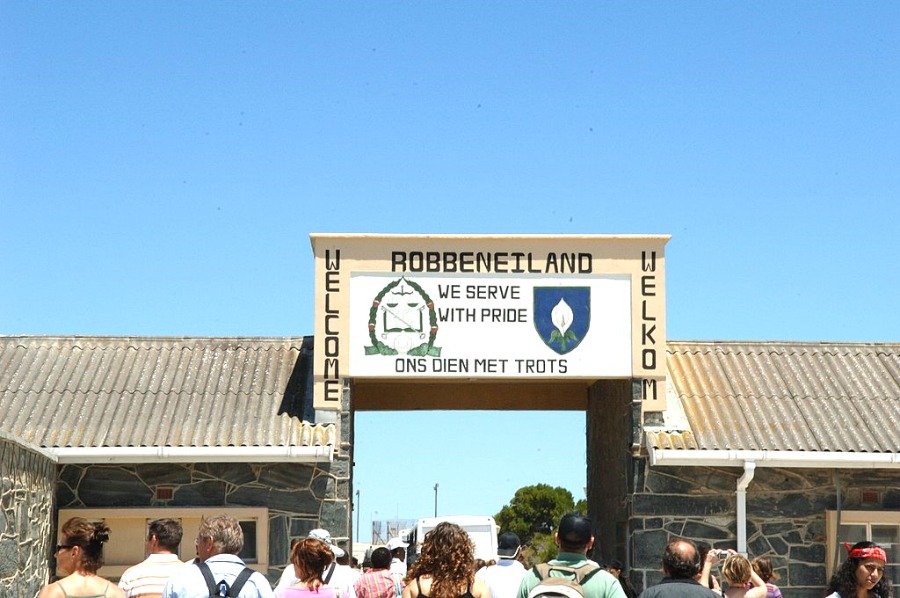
402	321
562	316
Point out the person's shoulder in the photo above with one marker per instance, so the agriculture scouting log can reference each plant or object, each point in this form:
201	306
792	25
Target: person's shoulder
114	591
51	590
479	587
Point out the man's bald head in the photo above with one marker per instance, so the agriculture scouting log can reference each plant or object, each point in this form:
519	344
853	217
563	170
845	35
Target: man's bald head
682	559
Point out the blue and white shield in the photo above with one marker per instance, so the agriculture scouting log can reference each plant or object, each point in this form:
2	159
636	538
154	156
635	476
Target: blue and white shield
562	316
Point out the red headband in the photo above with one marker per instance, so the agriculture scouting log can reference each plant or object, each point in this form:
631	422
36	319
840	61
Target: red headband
869	552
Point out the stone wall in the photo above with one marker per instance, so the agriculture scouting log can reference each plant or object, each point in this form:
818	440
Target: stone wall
299	496
26	496
785	516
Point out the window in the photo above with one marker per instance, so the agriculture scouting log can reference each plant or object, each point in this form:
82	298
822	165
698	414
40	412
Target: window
128	533
881	527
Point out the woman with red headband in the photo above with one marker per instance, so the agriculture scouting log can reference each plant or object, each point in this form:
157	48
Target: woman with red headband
862	574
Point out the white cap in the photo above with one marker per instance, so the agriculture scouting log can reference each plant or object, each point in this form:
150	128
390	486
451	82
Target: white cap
395	543
325	536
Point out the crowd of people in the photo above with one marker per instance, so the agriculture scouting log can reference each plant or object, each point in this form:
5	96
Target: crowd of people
446	568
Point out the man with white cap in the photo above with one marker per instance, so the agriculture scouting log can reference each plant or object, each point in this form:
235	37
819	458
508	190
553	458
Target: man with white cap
334	576
505	577
398	556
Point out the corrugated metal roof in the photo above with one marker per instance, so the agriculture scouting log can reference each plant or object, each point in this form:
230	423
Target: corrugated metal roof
154	391
832	397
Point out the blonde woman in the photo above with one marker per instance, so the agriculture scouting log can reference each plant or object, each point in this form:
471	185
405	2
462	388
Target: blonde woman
79	554
737	572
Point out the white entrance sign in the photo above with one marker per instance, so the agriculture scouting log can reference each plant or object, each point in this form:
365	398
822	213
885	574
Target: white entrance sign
490	327
433	309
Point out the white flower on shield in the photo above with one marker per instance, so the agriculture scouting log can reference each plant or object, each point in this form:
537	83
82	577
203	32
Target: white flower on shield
562	316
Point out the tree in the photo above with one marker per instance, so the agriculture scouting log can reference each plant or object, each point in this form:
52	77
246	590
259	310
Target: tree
535	510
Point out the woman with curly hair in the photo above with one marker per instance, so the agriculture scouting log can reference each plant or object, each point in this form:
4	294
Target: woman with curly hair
445	567
862	574
309	557
79	555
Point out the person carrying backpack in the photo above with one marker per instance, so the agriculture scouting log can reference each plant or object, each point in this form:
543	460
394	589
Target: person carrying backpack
571	574
218	571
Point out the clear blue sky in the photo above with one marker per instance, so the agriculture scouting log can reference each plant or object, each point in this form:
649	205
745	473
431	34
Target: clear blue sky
163	163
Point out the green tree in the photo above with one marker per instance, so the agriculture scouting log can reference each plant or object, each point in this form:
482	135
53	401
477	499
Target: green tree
581	507
535	511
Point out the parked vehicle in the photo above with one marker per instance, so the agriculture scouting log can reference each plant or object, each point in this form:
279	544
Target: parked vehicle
481	528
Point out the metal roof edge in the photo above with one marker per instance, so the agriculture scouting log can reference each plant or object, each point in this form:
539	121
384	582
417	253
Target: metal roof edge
802	459
175	454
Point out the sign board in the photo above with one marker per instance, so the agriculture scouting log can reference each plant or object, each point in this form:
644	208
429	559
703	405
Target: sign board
488	308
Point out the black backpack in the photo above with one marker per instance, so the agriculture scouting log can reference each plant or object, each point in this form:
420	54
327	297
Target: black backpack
221	589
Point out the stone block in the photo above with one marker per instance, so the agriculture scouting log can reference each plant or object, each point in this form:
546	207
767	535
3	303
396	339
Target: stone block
815	531
801	574
9	557
300	528
335	518
339	468
814	553
65	497
759	545
287	475
696	529
70	475
163	474
779	546
233	473
672	505
323	487
774	528
279	543
208	493
659	483
291	502
648	547
112	487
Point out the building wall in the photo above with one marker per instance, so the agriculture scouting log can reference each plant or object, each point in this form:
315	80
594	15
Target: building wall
786	517
299	497
26	492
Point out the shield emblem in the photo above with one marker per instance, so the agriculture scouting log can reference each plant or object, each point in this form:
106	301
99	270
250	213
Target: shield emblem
562	316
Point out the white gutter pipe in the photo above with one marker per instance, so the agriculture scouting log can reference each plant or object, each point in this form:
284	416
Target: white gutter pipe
173	454
810	459
742	483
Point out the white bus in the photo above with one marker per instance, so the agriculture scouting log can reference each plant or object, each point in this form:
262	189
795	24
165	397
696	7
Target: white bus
481	528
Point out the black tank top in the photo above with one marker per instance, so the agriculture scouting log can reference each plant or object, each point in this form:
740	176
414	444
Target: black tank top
467	594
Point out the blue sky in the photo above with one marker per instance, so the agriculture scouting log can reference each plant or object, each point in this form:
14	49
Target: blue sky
163	163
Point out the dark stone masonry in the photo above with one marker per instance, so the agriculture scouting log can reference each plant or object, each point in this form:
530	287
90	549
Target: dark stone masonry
26	497
785	516
299	497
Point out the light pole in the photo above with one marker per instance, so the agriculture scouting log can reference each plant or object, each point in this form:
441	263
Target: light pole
358	529
435	498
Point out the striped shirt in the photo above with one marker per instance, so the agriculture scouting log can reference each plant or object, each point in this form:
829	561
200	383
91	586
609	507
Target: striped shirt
376	584
149	576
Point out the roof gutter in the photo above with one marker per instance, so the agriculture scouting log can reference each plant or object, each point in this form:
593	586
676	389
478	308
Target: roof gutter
177	454
741	494
737	458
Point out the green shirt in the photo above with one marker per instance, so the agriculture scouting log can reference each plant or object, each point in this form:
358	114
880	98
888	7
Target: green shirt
601	584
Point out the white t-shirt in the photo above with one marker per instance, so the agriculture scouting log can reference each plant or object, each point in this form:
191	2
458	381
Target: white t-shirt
504	578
